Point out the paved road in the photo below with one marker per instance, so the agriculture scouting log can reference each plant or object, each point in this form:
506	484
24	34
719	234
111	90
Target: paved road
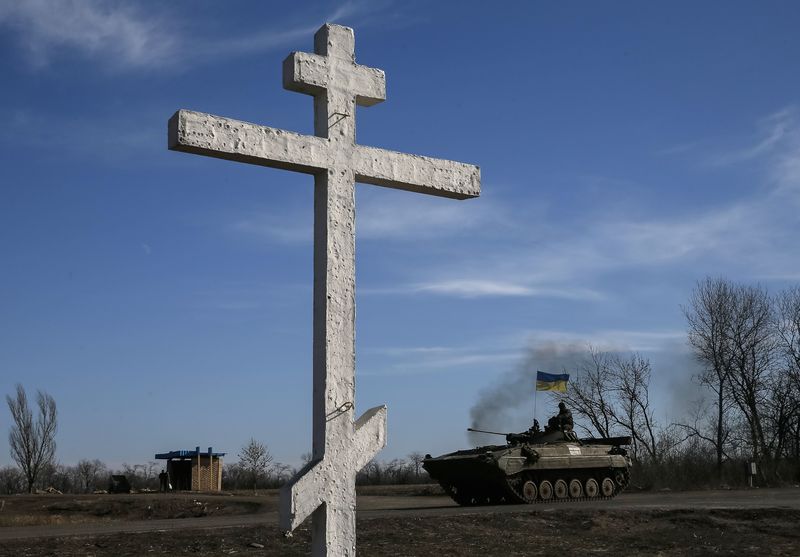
381	506
755	499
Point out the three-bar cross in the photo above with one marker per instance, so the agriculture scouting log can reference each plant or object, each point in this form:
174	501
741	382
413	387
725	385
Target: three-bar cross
325	488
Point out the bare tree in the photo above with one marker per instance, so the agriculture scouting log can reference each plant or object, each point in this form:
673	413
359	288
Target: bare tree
788	329
87	472
11	480
416	459
754	355
781	412
709	315
397	471
371	474
703	426
786	397
33	443
589	393
283	472
255	459
732	330
612	392
631	385
233	475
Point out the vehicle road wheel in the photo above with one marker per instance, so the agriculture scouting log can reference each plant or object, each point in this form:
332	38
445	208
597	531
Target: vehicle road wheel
575	489
619	477
545	490
560	489
591	488
463	496
529	491
494	497
607	487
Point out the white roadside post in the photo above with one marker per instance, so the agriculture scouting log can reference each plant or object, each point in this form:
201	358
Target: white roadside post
325	488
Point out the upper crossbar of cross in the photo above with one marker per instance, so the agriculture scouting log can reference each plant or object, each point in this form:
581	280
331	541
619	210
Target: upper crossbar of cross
332	75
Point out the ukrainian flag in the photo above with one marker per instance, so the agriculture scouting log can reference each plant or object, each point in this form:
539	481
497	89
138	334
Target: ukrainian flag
551	382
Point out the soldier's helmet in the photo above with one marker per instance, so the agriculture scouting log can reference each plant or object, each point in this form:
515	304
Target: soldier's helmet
562	406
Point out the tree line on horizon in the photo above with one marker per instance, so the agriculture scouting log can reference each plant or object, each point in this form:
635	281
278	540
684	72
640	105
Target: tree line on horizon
33	446
255	470
746	342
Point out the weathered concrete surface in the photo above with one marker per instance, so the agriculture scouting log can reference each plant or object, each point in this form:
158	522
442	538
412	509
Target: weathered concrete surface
223	138
341	446
215	136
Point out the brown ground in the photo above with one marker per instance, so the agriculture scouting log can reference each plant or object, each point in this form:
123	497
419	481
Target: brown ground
629	525
34	510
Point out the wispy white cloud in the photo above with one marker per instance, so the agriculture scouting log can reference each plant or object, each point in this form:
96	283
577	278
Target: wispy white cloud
745	236
407	350
278	37
275	227
564	267
740	235
609	339
787	172
491	353
495	355
114	31
385	214
559	268
471	288
785	167
651	242
412	362
389	216
123	36
750	236
772	132
478	288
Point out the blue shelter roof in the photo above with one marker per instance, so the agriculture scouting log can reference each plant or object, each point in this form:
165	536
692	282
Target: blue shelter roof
186	454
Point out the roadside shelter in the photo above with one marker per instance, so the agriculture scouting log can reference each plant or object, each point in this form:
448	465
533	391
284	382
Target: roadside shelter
194	471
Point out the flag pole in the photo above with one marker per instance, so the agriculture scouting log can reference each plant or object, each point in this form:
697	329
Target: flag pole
535	392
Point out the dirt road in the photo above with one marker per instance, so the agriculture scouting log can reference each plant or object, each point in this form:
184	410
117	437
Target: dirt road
417	507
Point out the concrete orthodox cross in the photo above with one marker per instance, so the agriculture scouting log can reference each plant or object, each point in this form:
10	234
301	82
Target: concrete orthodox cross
325	488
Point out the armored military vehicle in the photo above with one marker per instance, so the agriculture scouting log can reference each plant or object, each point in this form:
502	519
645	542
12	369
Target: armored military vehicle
534	467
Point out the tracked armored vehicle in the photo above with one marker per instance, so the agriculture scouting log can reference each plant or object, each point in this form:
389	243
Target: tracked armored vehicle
533	467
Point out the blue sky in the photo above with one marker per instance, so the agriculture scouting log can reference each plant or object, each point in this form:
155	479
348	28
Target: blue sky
627	150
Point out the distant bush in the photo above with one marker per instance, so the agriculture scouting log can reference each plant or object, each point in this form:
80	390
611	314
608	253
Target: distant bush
11	480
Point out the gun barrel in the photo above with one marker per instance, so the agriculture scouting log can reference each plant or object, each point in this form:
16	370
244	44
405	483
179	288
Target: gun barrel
484	431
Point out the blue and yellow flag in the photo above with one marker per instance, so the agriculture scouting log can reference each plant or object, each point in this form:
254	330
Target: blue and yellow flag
551	382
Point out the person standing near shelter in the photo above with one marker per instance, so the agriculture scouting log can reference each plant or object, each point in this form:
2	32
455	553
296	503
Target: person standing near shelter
163	481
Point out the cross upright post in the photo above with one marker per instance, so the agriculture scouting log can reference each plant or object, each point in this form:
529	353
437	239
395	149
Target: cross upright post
325	488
